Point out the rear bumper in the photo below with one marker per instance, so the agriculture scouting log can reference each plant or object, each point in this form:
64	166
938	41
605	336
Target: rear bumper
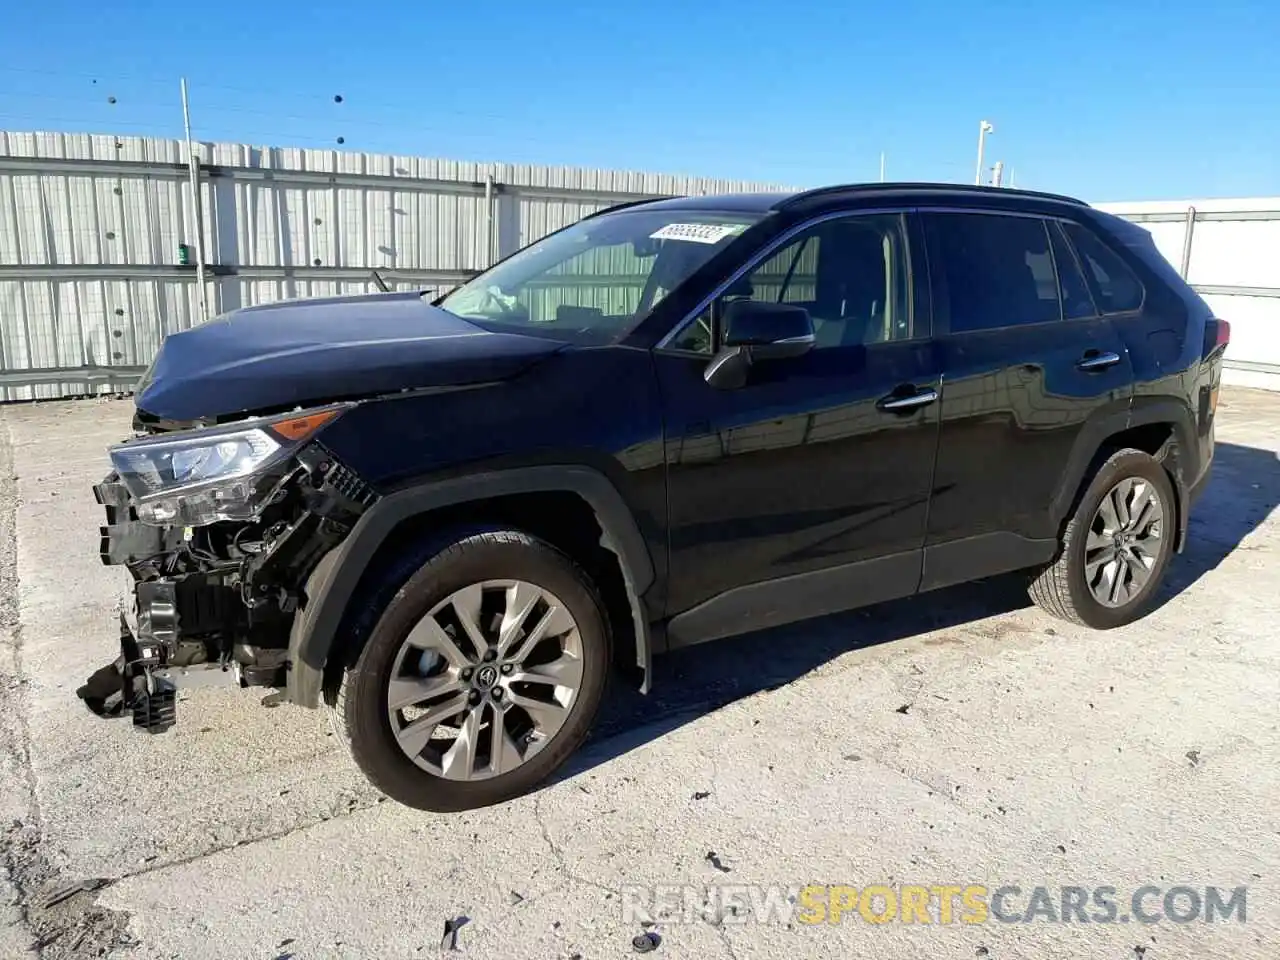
1190	494
1197	489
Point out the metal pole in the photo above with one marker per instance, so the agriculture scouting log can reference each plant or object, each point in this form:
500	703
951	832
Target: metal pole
997	173
1186	241
488	221
193	165
984	127
882	166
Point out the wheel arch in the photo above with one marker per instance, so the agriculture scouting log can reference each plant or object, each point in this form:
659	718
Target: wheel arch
1163	427
336	579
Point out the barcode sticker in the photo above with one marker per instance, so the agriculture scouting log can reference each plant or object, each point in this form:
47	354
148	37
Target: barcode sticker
698	232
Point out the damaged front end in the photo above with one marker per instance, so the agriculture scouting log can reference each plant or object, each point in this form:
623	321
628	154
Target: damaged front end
219	528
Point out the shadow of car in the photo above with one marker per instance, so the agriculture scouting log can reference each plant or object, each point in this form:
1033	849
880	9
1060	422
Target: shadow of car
690	683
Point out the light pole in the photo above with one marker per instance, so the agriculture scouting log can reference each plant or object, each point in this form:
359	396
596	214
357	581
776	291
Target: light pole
984	128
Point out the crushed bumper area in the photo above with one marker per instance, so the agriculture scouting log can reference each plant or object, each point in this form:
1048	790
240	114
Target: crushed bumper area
213	605
105	693
123	539
143	682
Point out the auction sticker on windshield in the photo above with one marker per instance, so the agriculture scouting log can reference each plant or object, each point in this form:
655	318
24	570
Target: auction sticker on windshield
698	232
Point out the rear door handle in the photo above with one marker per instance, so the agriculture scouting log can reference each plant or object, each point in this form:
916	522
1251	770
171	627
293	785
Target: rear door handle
1095	360
896	401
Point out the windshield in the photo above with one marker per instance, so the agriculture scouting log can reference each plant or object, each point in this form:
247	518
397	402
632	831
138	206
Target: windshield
593	281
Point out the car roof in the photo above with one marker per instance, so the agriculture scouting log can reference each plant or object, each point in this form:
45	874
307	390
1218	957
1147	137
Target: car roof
720	202
842	195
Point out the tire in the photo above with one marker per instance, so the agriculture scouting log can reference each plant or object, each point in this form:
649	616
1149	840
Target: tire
375	732
1063	587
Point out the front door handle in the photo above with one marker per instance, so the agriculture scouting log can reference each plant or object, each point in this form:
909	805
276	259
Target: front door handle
1095	360
896	401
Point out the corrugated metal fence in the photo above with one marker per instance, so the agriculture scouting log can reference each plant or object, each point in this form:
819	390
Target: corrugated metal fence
91	229
1227	250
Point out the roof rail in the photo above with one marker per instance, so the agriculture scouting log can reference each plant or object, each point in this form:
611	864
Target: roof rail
855	188
624	205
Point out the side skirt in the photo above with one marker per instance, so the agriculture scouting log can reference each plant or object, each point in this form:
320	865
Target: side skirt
772	603
985	555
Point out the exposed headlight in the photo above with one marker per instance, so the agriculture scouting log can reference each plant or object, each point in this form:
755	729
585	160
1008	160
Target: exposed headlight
199	477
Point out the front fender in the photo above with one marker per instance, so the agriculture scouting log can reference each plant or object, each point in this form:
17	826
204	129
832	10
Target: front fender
334	580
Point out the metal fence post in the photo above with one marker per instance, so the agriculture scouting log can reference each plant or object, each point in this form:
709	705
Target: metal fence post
1187	236
193	163
488	222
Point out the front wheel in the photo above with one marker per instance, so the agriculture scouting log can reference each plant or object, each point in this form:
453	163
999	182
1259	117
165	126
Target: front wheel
482	675
1116	545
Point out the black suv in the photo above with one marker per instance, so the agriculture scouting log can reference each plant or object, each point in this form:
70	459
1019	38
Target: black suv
672	421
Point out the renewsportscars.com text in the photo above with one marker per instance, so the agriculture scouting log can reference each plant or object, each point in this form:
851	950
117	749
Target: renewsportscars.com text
943	904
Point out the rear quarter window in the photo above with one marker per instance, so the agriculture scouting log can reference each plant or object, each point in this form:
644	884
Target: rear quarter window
1115	287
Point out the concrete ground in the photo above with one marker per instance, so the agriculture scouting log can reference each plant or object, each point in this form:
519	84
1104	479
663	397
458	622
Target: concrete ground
961	738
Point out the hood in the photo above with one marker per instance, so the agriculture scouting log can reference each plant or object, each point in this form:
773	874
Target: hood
302	352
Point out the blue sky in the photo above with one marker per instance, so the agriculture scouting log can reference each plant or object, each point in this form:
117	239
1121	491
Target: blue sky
1106	99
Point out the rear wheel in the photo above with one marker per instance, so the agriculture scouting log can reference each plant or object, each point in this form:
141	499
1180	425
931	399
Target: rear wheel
1116	546
482	675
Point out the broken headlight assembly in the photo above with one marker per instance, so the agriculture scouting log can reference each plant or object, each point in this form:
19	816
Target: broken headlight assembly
198	477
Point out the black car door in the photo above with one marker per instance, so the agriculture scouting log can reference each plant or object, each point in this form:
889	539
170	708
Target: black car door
1027	362
806	489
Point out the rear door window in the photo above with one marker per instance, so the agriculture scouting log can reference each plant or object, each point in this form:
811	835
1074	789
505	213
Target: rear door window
998	270
1114	285
1077	303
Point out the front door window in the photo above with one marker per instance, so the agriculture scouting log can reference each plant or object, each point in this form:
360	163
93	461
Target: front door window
850	273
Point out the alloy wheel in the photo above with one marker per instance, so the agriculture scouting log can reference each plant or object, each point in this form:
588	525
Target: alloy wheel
486	680
1124	542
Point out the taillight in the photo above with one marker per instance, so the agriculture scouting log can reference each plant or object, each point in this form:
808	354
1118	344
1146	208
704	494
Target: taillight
1217	335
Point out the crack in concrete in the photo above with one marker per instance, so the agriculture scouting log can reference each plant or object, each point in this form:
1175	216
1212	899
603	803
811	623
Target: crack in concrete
26	867
715	777
724	938
947	789
561	863
297	828
14	736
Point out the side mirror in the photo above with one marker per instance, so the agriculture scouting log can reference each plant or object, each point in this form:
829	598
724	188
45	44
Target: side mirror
758	331
769	331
